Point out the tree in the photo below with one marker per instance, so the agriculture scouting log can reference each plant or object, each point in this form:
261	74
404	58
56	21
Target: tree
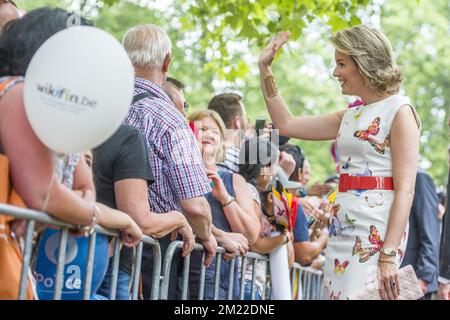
216	45
253	22
419	32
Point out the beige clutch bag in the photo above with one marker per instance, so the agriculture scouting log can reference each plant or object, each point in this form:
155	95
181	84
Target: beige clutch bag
409	287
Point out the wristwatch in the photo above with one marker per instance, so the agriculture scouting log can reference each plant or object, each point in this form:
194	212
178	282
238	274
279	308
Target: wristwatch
388	252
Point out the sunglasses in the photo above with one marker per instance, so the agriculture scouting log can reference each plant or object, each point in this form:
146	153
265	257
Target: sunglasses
186	106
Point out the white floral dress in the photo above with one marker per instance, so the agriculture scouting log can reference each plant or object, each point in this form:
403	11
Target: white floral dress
359	221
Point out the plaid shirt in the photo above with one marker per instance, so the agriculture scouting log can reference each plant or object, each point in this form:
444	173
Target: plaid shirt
177	164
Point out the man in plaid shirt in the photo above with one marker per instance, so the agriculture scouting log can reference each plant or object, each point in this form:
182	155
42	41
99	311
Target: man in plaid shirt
180	177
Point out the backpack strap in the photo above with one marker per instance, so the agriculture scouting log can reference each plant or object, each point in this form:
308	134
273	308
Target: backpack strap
140	96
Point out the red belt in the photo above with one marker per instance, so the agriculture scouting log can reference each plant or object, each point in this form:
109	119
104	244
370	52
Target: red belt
347	182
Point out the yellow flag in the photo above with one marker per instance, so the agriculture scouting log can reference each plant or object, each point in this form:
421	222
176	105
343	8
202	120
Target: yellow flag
332	196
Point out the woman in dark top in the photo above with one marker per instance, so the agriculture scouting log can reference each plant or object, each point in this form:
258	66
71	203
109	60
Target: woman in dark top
231	207
258	164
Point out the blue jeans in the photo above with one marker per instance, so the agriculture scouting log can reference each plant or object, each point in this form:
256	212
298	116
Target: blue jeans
123	285
248	291
210	276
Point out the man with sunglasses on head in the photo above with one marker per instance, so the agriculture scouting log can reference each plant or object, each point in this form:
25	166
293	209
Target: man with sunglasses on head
8	12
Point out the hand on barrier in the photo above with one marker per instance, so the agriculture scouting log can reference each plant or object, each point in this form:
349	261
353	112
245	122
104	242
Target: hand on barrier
241	240
18	228
232	247
132	235
210	247
188	239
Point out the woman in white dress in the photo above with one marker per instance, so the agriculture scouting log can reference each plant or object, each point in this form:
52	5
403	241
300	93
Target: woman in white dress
378	146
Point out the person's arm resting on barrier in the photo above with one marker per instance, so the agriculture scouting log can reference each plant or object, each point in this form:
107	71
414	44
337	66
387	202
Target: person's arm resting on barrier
132	197
198	213
265	245
32	165
238	243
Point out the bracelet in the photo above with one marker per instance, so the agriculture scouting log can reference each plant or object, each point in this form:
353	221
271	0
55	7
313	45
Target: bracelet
269	86
90	229
386	261
231	199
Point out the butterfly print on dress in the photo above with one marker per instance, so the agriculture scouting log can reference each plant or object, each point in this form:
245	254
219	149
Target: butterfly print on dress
369	134
367	252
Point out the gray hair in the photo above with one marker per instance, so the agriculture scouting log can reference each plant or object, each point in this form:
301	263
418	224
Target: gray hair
147	46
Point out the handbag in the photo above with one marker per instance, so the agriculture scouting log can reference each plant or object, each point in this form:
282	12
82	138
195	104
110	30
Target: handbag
409	287
10	253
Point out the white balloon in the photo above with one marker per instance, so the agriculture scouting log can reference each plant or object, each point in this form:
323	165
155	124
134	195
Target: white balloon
78	88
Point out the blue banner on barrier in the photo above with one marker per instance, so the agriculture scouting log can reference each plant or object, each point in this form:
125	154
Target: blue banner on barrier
74	267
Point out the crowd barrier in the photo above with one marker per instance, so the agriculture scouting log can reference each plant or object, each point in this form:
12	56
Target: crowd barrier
170	253
306	282
36	216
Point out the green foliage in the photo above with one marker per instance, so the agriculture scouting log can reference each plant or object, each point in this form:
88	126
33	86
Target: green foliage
30	5
419	32
257	21
216	45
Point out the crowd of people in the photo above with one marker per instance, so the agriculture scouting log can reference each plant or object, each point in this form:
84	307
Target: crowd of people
207	176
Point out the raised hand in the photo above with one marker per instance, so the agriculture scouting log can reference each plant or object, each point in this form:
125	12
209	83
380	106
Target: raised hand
268	53
218	190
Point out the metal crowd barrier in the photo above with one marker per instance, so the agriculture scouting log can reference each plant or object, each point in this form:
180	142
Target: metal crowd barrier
308	282
185	279
42	217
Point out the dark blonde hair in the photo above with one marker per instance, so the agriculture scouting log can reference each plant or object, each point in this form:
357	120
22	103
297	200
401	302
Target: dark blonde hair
199	115
372	53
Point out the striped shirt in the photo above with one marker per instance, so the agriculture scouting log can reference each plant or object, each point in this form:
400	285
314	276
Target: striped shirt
177	164
231	163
